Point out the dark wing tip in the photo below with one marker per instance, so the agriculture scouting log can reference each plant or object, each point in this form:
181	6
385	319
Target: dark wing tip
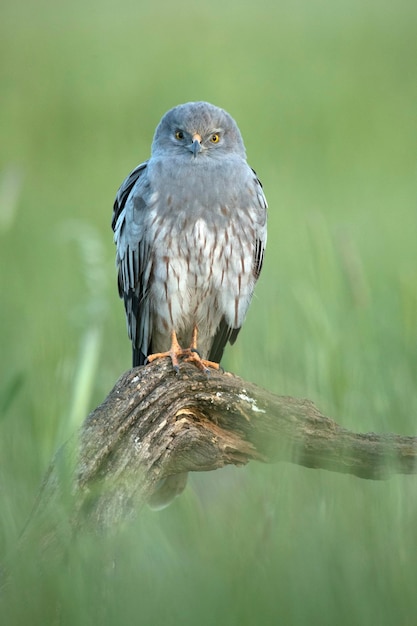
138	358
223	334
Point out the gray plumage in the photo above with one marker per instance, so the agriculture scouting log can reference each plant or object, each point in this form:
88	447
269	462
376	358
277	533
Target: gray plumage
190	229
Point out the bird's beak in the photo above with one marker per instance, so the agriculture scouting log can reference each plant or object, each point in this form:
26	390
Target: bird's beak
195	147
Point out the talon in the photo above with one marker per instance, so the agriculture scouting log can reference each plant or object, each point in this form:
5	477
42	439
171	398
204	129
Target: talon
202	364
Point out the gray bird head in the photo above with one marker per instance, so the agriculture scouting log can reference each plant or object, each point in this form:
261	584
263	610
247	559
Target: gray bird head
197	130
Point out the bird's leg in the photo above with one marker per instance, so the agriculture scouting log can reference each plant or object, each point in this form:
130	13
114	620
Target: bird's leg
194	356
174	352
190	354
193	346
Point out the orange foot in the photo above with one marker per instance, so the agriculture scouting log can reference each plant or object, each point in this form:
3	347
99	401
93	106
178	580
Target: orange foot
190	355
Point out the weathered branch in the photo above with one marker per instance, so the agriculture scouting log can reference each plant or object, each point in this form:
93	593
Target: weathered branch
155	424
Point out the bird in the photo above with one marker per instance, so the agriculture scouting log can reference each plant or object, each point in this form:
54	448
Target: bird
190	232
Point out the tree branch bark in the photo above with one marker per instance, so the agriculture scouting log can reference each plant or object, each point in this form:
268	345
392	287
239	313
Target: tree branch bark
155	424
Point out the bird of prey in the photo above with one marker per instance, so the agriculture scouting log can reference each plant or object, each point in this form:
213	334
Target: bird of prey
190	229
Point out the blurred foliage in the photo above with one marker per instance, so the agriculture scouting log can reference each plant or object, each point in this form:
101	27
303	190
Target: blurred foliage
325	95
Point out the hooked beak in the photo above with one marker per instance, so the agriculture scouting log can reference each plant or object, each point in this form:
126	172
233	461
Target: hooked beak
195	147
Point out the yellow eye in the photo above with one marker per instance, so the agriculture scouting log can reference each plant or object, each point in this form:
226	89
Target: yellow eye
215	138
179	135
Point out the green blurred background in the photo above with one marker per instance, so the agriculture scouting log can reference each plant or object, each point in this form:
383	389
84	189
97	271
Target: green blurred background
325	94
